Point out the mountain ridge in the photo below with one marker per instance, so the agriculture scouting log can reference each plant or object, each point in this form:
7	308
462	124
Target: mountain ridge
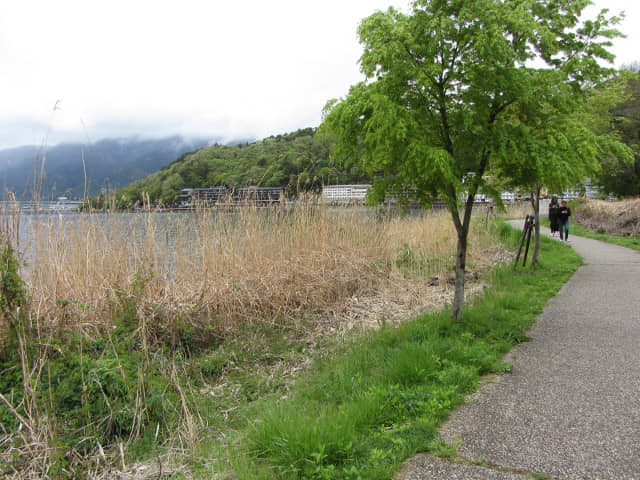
78	170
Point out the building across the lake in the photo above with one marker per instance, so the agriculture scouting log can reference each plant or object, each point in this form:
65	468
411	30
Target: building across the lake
212	196
259	195
344	193
332	194
190	197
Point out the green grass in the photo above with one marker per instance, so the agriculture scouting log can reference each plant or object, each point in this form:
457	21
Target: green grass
630	241
361	411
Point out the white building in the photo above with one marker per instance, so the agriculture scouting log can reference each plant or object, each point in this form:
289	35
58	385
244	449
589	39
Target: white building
344	193
508	197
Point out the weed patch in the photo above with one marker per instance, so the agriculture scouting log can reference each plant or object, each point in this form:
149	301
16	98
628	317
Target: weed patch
149	368
365	410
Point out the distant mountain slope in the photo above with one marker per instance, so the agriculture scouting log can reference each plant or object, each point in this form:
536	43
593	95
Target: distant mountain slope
108	164
297	161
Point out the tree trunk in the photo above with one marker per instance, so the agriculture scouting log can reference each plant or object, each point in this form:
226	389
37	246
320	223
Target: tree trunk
535	202
462	228
461	262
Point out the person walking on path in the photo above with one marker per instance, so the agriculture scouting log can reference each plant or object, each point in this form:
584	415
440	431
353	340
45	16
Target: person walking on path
564	212
553	215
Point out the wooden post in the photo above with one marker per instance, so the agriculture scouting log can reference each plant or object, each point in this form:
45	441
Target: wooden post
531	221
524	235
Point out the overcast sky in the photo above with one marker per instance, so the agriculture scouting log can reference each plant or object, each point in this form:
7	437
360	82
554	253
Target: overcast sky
242	68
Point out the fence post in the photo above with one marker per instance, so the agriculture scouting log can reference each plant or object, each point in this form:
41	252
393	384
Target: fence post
524	236
531	221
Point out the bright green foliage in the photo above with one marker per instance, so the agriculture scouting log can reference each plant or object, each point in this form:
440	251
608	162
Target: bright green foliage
450	88
13	294
297	162
617	176
13	298
558	143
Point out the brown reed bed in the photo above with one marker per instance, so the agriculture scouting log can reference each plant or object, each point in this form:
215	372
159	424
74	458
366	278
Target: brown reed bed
235	266
307	270
618	218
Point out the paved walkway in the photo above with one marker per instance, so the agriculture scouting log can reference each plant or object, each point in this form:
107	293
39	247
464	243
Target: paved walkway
570	409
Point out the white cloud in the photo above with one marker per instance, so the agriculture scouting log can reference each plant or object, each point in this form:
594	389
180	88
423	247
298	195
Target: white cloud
625	49
233	68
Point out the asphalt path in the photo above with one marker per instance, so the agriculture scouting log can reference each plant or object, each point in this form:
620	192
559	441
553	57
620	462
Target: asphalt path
570	408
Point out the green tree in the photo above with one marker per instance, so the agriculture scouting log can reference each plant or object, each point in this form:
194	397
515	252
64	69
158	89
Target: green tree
171	188
558	145
444	83
618	176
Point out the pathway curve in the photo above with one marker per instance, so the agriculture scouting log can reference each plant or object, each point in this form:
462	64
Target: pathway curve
570	409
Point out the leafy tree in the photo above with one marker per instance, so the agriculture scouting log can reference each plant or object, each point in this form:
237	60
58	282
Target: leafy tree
618	176
445	82
557	145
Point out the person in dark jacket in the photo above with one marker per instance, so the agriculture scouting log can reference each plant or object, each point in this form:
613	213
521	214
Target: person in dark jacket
553	215
564	212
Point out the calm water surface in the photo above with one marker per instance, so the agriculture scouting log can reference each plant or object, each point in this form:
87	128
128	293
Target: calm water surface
166	227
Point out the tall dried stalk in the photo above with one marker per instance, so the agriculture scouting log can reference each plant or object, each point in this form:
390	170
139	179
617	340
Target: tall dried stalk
204	268
620	217
242	265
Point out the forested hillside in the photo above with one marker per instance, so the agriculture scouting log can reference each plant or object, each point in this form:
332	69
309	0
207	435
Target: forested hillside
297	161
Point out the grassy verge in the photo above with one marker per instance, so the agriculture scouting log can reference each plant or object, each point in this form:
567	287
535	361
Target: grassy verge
153	391
363	410
629	241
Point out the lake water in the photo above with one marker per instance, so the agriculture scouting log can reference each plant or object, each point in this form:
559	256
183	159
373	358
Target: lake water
130	230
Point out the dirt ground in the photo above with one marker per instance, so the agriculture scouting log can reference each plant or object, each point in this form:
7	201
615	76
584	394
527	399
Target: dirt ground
408	298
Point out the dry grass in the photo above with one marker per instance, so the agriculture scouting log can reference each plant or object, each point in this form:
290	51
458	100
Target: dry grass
245	265
519	209
338	269
621	217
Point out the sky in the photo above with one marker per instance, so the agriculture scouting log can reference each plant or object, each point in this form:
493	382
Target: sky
81	70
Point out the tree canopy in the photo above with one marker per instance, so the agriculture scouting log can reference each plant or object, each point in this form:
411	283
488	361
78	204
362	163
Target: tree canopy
449	89
618	176
557	145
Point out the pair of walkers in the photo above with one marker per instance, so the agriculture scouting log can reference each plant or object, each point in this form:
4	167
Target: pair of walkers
559	218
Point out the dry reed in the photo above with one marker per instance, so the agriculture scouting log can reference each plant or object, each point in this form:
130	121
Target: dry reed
621	217
519	209
216	268
248	264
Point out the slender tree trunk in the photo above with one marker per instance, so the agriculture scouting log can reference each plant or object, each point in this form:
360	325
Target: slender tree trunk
461	263
462	229
535	203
